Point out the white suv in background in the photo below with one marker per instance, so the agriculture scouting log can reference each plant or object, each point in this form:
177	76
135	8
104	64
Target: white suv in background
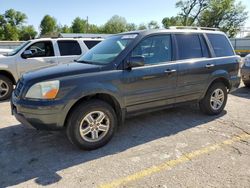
5	51
39	53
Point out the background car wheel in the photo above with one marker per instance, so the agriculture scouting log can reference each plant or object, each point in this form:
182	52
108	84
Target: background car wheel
6	87
91	125
215	99
247	84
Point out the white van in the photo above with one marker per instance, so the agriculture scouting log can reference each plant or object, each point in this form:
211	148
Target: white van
39	53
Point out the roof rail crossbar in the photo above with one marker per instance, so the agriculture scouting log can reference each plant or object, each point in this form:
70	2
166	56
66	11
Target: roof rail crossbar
194	27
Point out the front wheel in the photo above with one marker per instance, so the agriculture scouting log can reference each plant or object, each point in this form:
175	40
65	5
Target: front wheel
91	124
215	99
6	87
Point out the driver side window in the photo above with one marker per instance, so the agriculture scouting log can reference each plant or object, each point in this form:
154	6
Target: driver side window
155	49
41	49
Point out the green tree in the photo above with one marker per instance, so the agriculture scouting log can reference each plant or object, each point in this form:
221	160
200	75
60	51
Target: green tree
153	25
10	23
142	27
64	29
116	24
27	33
131	27
10	32
172	21
191	10
48	25
93	28
14	18
2	22
227	15
79	25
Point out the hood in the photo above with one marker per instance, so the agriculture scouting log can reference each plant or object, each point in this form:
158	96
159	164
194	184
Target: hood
61	71
2	56
6	59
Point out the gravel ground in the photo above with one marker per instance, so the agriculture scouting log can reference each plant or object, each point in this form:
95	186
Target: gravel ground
177	147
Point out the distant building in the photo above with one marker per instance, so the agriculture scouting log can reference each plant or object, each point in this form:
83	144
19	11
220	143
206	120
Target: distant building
241	45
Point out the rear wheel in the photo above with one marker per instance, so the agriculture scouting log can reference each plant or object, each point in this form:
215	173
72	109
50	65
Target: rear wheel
6	87
91	125
215	99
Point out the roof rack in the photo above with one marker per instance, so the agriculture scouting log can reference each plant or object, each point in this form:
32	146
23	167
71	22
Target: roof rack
194	27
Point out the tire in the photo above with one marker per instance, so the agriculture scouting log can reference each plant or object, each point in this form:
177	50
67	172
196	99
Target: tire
247	84
95	133
209	103
6	88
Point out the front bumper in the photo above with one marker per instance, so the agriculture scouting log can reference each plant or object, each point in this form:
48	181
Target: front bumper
47	115
245	74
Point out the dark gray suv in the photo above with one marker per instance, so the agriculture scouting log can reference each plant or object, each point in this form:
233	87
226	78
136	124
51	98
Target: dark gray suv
127	74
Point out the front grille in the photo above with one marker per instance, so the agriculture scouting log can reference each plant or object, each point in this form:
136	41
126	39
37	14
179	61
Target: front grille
18	88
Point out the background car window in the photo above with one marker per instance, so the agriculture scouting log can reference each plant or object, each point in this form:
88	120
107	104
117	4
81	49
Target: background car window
41	49
68	47
154	49
91	43
189	46
220	45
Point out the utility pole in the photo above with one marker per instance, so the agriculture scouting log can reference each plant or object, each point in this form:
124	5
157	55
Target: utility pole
87	24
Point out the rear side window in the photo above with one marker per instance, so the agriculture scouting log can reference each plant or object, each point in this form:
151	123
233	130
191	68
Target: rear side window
220	45
189	46
69	47
91	43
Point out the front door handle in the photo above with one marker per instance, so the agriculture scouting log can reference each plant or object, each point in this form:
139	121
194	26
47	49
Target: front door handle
170	71
209	65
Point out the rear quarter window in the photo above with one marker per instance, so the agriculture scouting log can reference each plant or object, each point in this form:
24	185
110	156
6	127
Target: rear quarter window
221	45
68	48
91	43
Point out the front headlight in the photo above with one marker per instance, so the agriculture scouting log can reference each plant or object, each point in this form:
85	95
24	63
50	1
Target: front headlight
247	61
44	90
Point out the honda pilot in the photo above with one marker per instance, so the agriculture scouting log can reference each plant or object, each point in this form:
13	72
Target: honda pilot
127	74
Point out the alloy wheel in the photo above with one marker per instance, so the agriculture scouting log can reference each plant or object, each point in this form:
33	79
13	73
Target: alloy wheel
94	126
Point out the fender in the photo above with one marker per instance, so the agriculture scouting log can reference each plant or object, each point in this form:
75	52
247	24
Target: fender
218	74
91	89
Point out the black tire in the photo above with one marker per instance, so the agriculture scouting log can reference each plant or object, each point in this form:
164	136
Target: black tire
206	105
247	84
7	84
81	112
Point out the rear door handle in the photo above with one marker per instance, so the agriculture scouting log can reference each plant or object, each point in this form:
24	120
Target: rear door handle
170	71
209	65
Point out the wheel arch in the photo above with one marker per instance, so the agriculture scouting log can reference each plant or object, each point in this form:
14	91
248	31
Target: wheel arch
8	75
111	100
220	79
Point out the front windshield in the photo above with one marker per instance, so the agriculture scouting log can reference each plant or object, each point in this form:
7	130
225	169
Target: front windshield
17	49
106	51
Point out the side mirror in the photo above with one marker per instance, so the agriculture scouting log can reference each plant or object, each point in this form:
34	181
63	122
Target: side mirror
135	61
27	54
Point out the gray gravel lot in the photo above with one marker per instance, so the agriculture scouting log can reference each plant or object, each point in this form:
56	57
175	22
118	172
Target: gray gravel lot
29	158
